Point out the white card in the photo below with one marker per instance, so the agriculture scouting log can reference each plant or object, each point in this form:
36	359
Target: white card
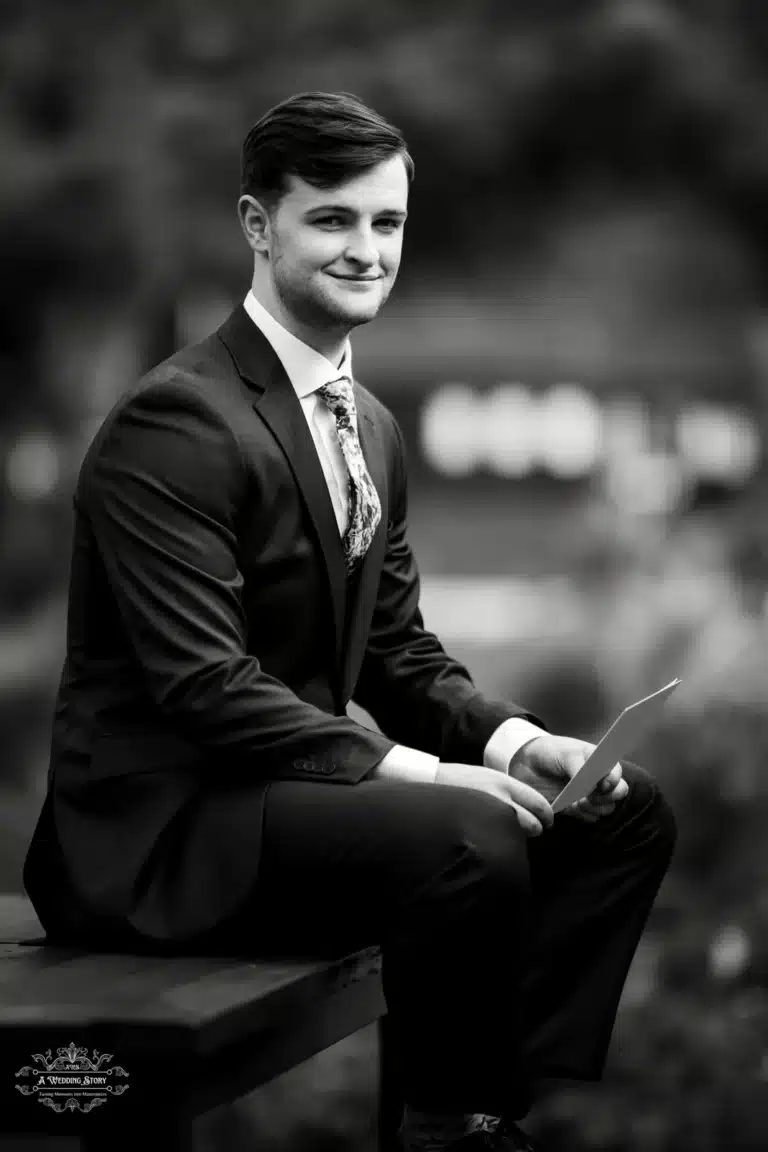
623	735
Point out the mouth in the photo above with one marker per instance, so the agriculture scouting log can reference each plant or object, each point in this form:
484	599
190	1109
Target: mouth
355	279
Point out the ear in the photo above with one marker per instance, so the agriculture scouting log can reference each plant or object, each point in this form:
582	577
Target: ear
255	222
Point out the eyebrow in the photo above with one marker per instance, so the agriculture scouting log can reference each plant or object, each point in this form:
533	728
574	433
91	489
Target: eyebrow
347	211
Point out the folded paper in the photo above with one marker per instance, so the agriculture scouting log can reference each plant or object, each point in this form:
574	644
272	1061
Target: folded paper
623	735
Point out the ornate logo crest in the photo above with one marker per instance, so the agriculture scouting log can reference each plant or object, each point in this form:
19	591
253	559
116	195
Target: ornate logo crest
71	1080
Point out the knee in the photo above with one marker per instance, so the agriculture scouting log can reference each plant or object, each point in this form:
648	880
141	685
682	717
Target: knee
489	832
648	812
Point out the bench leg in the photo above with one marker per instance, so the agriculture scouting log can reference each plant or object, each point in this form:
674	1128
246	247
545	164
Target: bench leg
390	1086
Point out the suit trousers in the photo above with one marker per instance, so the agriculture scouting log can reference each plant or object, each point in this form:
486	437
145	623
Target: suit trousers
503	957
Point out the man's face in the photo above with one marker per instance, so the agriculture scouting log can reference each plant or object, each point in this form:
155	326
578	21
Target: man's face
334	255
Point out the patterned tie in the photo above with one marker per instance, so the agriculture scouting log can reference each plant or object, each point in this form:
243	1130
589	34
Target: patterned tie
364	505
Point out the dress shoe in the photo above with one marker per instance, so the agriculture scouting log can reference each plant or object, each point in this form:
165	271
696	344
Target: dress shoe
492	1136
497	1136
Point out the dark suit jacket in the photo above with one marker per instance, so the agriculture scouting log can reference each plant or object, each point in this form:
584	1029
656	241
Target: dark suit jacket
213	645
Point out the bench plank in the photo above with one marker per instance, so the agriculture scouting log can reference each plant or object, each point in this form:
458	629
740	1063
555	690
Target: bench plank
193	1032
209	1001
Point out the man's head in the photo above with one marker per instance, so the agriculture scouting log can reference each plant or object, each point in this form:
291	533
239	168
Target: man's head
324	195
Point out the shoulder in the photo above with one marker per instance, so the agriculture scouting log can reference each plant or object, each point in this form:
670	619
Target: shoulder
199	379
185	403
200	373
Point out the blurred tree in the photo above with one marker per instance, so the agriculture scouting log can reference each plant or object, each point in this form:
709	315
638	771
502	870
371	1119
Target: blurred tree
523	103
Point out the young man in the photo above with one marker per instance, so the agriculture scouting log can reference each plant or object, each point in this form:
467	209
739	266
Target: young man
241	570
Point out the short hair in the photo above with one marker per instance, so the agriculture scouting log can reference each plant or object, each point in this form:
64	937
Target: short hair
324	138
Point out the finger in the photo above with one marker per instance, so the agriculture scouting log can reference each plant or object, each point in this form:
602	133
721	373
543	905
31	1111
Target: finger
600	800
601	807
609	782
598	810
620	791
579	813
529	798
527	821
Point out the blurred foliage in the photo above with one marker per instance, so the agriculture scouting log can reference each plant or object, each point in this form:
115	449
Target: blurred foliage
688	1065
129	118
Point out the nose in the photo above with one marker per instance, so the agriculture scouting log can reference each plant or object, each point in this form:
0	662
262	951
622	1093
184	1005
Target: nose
362	249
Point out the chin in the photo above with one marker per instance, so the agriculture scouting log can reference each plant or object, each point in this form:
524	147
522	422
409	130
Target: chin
361	314
354	302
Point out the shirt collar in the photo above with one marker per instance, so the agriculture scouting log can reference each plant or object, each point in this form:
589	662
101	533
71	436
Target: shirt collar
307	368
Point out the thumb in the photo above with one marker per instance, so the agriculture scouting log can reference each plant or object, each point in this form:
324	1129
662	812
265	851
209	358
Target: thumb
527	821
574	759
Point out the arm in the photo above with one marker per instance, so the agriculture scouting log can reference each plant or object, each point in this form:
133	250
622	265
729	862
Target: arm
417	694
162	488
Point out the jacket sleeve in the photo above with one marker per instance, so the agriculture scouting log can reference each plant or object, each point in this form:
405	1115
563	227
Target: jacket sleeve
415	692
161	487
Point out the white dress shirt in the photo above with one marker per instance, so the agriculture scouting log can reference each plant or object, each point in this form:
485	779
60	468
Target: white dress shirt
307	371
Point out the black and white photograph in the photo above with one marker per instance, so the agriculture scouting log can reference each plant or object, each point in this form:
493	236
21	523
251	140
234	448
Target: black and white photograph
384	576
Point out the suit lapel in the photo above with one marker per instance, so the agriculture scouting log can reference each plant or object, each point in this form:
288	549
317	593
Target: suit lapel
280	408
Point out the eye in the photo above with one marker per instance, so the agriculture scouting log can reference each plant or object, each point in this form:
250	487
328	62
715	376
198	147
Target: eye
389	224
331	221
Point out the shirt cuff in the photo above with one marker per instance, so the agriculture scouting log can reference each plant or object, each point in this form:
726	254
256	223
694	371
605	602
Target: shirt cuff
403	763
508	739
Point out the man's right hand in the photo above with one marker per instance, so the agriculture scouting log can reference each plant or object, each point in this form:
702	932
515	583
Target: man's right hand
534	812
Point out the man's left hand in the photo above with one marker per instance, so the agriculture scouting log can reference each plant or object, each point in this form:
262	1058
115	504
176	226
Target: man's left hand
548	762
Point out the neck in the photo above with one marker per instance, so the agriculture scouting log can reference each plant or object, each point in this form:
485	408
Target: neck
329	342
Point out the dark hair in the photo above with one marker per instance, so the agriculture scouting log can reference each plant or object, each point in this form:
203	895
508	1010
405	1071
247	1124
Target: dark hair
324	138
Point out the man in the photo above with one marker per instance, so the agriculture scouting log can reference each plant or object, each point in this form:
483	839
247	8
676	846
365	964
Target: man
241	570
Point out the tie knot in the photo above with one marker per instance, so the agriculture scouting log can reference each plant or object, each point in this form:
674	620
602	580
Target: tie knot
339	395
339	392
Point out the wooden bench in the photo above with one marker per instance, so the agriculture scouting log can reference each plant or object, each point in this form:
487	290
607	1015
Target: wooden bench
185	1034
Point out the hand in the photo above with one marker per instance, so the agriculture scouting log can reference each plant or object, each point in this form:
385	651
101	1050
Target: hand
534	813
548	762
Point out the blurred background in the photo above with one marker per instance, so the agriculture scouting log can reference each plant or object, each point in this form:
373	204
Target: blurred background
577	351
